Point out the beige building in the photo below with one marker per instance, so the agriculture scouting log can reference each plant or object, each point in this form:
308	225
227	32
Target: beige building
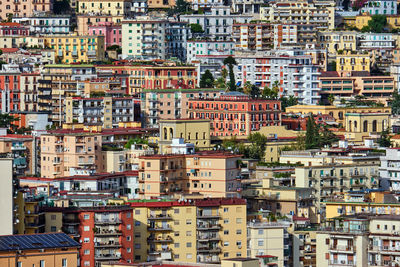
7	197
85	20
338	40
108	7
348	62
24	8
203	231
209	173
192	131
67	153
361	125
114	161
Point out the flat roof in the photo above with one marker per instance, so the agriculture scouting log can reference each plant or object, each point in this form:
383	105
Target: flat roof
36	241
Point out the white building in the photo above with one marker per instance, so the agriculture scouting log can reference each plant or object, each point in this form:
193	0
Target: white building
46	24
390	170
217	23
380	7
196	49
371	41
296	74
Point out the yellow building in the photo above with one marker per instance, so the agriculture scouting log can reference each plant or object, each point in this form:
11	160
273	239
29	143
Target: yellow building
360	125
338	113
204	231
192	131
392	20
348	62
74	48
107	7
337	40
362	21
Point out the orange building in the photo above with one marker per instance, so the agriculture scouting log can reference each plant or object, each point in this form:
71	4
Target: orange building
55	250
24	8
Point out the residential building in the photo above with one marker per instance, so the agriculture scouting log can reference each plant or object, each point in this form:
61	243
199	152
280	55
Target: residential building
380	7
65	153
348	62
86	20
154	5
390	170
7	191
24	9
234	114
109	7
192	131
29	91
199	230
170	103
296	74
74	48
104	232
253	36
209	173
217	22
30	214
379	41
109	112
46	24
13	29
10	90
270	238
338	40
159	39
249	7
52	249
112	32
320	13
197	49
360	126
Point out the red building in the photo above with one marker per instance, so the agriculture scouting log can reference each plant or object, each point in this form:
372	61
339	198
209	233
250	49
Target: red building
10	92
105	232
299	122
13	29
235	113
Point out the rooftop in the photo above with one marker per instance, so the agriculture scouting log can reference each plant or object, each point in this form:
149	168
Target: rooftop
36	241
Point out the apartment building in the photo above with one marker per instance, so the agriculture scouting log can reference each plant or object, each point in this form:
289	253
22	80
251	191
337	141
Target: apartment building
294	35
334	179
379	41
301	12
109	7
202	231
109	112
235	113
74	48
380	7
196	132
338	40
390	170
24	9
13	29
86	20
170	103
65	153
197	49
270	238
253	36
104	232
217	22
209	173
10	91
112	32
343	242
29	91
46	24
158	39
53	249
296	74
154	77
348	62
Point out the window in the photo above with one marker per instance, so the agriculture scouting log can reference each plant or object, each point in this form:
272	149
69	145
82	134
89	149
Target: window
129	250
86	263
128	238
226	243
327	241
226	254
188	221
226	221
137	212
86	228
128	227
86	252
41	263
189	244
137	246
189	256
226	209
176	211
378	227
86	216
260	243
53	217
64	262
238	232
19	264
260	231
226	232
176	245
53	229
86	240
188	233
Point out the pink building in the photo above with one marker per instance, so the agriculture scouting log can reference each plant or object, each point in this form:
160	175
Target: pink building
112	32
13	29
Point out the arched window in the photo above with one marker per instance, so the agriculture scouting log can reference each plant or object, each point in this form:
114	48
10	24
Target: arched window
340	115
374	126
355	126
171	133
350	126
165	133
365	126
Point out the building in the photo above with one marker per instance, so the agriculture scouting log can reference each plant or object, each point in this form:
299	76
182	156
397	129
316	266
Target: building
159	39
253	36
46	24
320	13
9	92
208	173
217	22
378	41
380	7
348	62
269	239
86	20
13	29
110	7
55	249
202	231
27	9
197	49
295	74
360	126
192	131
74	48
108	112
390	171
235	114
7	192
65	153
112	32
338	40
104	232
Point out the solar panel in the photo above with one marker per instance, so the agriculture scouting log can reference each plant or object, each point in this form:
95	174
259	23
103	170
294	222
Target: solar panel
36	241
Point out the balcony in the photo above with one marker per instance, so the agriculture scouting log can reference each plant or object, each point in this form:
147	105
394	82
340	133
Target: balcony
107	245
208	249
107	257
207	227
160	239
107	232
208	216
160	217
208	237
158	228
71	221
107	221
18	147
343	249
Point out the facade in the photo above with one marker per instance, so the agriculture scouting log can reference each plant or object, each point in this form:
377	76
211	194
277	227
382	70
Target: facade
389	170
381	7
379	41
65	153
72	49
13	29
235	114
208	173
296	75
352	62
110	7
9	92
197	49
112	32
338	40
25	9
46	24
55	249
202	231
86	20
9	197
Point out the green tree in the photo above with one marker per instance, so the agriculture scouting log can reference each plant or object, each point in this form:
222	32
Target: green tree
181	6
331	99
270	93
377	23
230	62
220	83
395	103
206	80
6	120
257	147
133	141
312	134
196	28
384	139
288	101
